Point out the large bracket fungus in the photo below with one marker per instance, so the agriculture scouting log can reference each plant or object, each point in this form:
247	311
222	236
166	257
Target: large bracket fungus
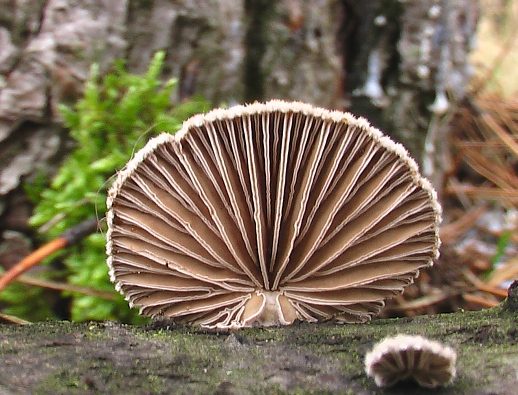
269	213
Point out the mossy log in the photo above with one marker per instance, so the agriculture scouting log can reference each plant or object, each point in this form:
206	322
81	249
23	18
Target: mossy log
71	358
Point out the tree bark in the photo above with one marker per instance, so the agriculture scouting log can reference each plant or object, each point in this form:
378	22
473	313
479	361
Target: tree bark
408	69
90	358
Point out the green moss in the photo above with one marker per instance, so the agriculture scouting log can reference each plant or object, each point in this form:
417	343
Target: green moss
115	117
34	306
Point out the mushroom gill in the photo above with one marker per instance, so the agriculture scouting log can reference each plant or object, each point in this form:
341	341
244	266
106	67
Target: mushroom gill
269	213
430	363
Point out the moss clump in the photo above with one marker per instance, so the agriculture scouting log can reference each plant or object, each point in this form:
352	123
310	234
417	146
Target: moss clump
115	117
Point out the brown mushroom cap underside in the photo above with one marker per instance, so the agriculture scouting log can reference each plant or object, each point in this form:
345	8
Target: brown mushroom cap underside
429	363
268	213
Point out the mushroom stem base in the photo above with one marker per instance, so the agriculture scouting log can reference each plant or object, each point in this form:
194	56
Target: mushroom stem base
269	308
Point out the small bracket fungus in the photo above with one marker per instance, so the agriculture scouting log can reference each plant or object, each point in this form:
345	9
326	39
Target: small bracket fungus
429	363
266	214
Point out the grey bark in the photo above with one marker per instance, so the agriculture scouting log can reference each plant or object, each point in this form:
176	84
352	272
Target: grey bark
410	71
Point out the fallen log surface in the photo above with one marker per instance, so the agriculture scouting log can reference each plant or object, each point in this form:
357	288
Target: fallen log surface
73	358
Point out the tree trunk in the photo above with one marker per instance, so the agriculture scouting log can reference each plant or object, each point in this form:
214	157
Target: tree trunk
65	358
408	68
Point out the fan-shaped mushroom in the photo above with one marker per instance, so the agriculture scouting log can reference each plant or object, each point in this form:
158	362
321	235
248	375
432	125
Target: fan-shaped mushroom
269	213
429	363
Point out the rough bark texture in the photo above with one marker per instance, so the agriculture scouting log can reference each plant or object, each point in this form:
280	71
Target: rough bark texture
65	358
409	68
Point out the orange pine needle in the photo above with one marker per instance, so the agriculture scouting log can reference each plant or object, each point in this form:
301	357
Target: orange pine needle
480	300
489	288
32	260
14	320
493	290
70	236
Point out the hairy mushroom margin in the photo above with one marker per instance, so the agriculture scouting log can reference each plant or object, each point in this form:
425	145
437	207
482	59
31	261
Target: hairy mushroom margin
264	214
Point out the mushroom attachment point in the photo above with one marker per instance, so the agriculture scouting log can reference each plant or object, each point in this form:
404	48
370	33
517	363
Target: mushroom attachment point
264	214
429	363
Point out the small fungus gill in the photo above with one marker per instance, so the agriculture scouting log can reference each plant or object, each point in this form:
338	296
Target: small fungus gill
269	213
